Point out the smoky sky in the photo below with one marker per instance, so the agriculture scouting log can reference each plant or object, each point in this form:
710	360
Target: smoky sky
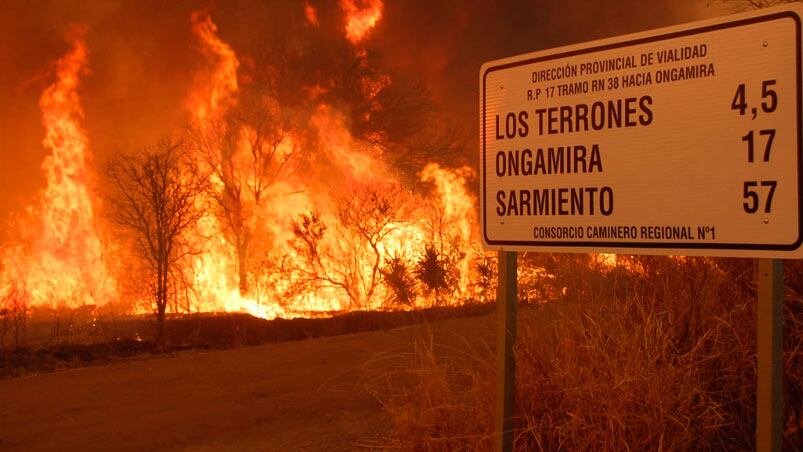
143	56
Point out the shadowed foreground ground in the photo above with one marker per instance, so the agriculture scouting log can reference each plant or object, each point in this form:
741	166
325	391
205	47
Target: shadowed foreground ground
302	395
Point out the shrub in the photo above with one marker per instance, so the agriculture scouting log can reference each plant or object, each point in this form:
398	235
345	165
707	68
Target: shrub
399	281
654	354
433	272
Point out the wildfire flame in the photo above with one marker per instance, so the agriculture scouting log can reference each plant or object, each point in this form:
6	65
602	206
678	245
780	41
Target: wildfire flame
214	93
62	263
361	17
218	88
456	208
311	14
317	218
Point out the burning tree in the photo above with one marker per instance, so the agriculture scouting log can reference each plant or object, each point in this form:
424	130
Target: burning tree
365	133
14	313
369	215
245	150
434	273
483	287
399	280
358	126
352	261
154	198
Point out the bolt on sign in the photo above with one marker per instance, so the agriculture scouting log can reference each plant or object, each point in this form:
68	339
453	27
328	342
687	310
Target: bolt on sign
682	140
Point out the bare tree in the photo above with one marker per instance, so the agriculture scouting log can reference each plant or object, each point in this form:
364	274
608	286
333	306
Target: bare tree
353	262
370	214
154	196
402	117
245	150
14	312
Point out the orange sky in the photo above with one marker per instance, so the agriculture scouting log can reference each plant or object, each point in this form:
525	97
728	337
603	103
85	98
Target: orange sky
142	57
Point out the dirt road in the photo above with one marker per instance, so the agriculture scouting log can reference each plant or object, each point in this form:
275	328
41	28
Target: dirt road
303	395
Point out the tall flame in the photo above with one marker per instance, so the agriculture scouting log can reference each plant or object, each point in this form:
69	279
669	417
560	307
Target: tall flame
347	173
214	271
220	84
456	211
64	264
362	218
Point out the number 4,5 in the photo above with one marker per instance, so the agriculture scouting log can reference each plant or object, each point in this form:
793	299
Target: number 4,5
768	95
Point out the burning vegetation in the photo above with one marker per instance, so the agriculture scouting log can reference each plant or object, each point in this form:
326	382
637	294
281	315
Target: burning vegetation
60	260
308	179
285	191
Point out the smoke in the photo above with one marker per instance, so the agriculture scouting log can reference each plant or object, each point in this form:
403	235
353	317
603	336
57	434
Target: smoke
446	42
143	55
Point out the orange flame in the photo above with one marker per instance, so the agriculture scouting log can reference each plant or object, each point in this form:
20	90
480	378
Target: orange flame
361	18
311	14
220	84
368	215
64	265
356	161
456	210
345	167
215	91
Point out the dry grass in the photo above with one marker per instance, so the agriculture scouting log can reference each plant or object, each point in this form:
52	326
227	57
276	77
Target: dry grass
91	341
438	397
658	354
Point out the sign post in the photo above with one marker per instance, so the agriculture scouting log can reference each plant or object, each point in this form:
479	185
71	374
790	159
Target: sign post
769	396
507	301
686	140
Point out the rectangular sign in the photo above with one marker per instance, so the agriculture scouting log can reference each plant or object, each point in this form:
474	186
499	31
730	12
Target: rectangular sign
683	140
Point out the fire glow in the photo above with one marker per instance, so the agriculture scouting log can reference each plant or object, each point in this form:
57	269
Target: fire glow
61	260
301	218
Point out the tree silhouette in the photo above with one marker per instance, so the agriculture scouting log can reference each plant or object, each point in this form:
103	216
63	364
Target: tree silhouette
400	282
245	150
154	196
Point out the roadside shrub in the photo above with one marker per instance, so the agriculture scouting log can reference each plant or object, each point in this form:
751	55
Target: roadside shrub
434	274
399	281
653	353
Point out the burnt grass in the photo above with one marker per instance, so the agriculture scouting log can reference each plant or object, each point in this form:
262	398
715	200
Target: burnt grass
205	332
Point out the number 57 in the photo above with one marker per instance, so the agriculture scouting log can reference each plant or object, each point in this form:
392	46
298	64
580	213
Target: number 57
751	197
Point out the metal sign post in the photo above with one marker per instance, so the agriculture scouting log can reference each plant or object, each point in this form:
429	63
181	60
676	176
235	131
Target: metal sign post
769	393
506	307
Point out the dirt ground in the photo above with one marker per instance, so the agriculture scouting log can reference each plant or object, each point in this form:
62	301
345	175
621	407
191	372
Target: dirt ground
306	395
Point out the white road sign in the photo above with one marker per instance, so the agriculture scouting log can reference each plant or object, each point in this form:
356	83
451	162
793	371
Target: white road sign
682	140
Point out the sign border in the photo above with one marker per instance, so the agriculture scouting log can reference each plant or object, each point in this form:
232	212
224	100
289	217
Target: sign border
637	41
